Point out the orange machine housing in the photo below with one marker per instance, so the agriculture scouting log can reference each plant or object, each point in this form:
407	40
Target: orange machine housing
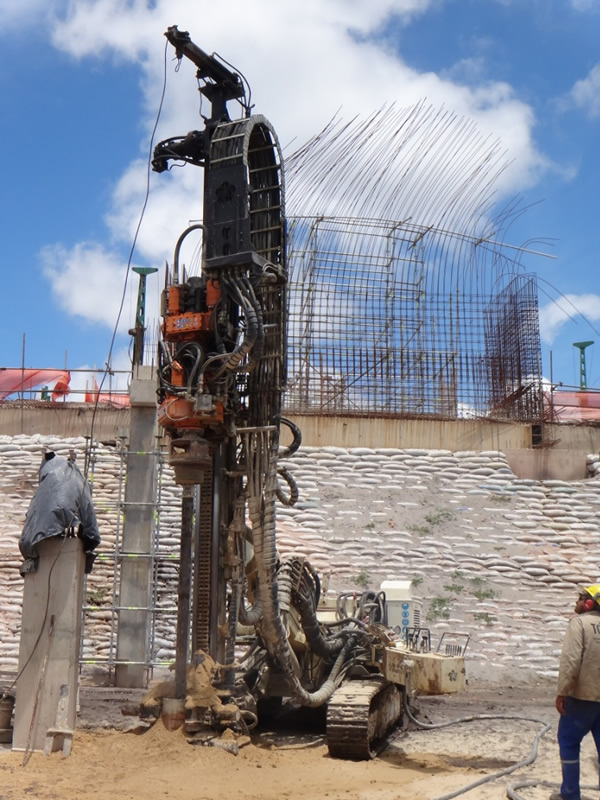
177	412
185	326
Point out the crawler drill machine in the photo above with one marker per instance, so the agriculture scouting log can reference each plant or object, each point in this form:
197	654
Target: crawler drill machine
222	373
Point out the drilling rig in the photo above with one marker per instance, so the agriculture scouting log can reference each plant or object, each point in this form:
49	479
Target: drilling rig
222	374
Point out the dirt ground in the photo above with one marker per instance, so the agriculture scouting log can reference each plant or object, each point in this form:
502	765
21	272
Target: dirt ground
109	762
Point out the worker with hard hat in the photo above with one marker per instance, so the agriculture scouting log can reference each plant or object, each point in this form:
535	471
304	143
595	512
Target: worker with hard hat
578	693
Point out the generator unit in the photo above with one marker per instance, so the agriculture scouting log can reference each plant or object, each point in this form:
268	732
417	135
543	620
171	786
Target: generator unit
403	613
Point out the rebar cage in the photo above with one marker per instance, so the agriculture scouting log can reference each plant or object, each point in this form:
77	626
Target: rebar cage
404	297
394	318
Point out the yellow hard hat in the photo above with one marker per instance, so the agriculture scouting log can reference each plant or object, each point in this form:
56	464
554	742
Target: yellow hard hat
593	591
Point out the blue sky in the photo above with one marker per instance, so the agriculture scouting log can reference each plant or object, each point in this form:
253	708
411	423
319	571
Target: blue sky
79	91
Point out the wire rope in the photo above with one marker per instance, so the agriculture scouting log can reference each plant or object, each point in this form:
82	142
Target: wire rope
107	369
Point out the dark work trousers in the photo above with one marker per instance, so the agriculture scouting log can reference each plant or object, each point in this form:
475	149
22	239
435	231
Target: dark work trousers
580	718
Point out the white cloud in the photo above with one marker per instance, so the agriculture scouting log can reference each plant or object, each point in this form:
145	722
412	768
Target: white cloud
303	62
297	91
578	5
570	306
585	93
174	200
87	282
465	411
33	13
584	5
467	70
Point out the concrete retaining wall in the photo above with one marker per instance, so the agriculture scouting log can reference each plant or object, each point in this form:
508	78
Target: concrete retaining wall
562	456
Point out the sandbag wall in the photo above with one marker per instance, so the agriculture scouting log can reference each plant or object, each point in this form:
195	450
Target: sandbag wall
20	459
489	554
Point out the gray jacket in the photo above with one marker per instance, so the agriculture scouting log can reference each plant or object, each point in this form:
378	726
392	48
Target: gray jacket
579	671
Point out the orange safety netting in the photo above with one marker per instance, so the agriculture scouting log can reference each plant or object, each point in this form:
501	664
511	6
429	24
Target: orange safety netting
106	398
22	380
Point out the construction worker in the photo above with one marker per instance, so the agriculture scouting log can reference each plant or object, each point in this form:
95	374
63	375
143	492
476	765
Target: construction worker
578	694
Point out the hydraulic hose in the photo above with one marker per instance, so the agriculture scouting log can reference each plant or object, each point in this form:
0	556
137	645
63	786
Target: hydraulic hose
303	589
259	344
508	770
340	603
288	575
165	384
511	789
319	644
249	616
347	621
286	452
292	498
261	506
324	693
195	227
252	615
197	354
253	317
372	605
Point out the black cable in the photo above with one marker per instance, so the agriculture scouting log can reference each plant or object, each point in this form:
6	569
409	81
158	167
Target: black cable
545	727
131	251
246	104
570	302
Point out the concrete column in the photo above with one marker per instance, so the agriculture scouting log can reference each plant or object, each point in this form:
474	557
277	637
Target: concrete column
136	568
49	649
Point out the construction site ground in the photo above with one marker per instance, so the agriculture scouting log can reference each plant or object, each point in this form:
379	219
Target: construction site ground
112	759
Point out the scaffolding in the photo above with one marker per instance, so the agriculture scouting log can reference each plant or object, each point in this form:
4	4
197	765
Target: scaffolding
102	605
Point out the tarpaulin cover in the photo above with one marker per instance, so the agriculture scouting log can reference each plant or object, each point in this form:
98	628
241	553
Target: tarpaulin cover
62	502
20	380
574	406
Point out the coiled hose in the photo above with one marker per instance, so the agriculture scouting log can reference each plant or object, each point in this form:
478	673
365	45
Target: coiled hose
292	498
286	452
319	644
254	324
259	345
304	592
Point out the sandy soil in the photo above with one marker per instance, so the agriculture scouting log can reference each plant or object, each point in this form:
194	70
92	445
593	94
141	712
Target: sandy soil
108	762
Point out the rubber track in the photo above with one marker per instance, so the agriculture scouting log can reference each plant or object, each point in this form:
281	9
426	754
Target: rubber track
359	716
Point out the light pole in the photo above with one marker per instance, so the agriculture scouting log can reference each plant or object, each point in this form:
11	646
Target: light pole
582	373
140	315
